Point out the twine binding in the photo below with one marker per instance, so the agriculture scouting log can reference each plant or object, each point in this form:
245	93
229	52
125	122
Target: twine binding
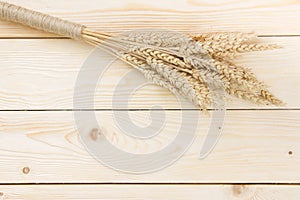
40	21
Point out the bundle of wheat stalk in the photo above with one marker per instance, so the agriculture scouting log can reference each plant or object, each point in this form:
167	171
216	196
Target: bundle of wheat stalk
195	67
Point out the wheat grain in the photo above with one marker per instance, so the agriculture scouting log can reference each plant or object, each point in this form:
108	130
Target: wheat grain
248	96
228	45
254	47
271	98
182	82
149	73
147	52
238	75
156	38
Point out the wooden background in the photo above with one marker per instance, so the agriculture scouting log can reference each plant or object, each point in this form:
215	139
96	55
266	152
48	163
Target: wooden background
41	156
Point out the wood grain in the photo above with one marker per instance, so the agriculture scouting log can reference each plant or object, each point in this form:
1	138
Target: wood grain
255	147
39	139
176	192
41	74
279	17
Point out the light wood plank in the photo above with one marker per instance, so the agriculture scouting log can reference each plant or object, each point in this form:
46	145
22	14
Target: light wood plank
265	17
255	146
41	74
211	192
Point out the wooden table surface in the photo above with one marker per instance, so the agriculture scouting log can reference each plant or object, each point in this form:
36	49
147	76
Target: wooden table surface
42	156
